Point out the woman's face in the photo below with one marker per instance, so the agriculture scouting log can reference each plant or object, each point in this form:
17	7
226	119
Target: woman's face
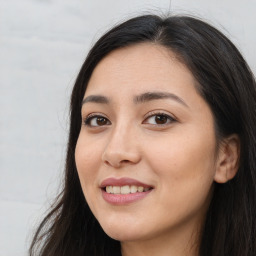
147	148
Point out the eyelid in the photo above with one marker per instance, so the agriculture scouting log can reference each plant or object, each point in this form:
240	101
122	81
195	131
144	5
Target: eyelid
89	117
162	113
94	114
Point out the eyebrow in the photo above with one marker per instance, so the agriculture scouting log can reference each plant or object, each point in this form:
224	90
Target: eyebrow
142	98
96	99
149	96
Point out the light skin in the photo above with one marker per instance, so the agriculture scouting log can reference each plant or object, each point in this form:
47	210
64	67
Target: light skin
144	119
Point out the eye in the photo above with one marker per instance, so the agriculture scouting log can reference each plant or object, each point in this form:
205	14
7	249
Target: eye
96	121
159	119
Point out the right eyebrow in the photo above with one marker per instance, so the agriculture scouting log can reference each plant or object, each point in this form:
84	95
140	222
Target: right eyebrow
96	99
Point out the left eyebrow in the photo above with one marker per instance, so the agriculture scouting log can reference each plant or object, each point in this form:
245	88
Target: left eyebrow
149	96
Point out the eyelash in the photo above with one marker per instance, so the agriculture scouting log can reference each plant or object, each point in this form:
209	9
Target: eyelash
169	118
89	118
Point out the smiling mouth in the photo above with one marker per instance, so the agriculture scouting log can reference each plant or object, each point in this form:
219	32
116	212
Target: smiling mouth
126	189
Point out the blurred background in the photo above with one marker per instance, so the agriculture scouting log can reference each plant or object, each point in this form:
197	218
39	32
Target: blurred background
42	46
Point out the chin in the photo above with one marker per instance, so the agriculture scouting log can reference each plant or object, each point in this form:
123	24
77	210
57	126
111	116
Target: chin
124	236
122	233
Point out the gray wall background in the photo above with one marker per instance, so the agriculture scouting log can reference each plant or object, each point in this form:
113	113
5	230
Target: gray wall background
42	46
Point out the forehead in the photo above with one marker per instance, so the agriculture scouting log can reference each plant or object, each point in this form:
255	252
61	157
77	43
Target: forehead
140	67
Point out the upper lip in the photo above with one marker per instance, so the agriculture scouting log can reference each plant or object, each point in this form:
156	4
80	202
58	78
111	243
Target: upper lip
122	182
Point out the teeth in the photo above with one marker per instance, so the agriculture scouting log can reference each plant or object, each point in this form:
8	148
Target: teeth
109	189
140	189
134	189
125	189
116	190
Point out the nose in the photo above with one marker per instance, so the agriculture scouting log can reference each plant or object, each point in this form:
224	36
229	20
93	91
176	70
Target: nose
122	148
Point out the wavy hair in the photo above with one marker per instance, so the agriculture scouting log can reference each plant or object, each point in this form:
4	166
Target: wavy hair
226	83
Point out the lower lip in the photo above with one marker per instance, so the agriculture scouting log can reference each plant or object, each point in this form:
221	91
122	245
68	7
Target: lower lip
121	199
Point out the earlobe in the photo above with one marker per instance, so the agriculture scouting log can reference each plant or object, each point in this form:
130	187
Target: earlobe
228	159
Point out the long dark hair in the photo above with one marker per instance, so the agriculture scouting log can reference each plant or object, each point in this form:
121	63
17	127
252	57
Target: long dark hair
225	81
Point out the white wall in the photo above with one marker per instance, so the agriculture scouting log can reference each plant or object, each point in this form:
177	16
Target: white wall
42	46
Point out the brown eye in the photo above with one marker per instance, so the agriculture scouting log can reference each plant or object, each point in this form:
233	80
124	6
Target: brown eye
159	119
101	121
95	121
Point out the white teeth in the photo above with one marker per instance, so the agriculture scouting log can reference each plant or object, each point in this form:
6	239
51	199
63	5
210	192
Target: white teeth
116	190
134	189
125	189
109	189
140	189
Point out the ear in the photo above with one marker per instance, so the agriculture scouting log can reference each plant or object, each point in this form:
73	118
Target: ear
228	159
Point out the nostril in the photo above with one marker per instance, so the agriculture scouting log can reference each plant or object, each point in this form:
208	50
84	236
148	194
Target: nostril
125	161
113	164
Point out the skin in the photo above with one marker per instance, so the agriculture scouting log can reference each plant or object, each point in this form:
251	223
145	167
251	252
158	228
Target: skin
178	158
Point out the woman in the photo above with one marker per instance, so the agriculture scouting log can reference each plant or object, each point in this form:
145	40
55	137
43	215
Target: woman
162	147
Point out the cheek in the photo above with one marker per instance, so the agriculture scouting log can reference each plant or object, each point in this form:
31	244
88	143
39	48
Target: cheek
87	161
185	166
87	154
181	152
